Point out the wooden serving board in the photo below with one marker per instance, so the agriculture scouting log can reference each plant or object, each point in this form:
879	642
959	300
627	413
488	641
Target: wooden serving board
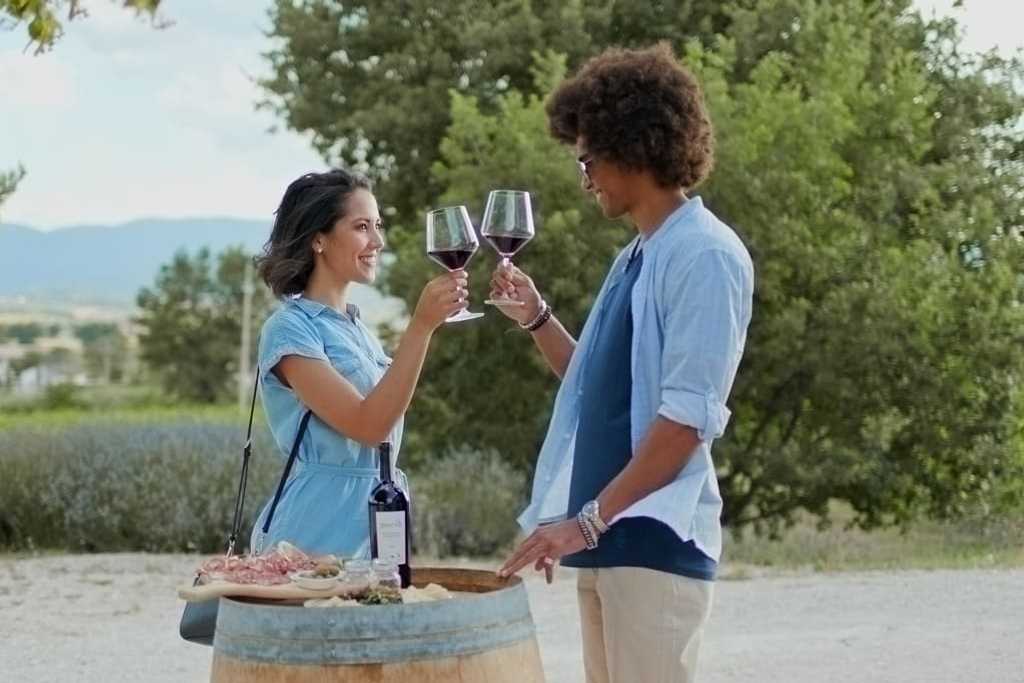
455	580
284	591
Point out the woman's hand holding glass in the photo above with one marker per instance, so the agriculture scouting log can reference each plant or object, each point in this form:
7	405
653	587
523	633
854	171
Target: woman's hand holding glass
442	297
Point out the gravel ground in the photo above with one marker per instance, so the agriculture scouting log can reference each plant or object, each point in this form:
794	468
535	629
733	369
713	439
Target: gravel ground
111	618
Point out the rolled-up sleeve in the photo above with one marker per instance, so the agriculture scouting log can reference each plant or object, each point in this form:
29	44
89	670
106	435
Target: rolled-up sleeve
288	333
705	312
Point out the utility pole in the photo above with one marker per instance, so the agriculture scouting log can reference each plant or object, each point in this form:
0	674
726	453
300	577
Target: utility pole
243	354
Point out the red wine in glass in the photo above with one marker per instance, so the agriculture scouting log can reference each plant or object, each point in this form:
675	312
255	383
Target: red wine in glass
451	242
508	226
452	259
507	245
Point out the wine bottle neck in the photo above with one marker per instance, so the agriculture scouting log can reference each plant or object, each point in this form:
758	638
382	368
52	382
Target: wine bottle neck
384	458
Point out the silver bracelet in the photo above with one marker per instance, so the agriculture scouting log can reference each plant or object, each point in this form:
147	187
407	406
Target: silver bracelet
592	512
589	535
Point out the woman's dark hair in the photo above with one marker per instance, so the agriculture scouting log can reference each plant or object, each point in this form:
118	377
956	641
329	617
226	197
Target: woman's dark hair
311	205
640	109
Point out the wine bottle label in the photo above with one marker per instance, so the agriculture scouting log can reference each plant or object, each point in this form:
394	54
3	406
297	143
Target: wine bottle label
390	530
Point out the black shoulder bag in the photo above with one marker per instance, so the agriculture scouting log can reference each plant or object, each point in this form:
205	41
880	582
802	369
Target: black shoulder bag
199	620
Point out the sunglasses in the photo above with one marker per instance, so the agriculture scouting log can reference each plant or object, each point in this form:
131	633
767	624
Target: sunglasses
584	163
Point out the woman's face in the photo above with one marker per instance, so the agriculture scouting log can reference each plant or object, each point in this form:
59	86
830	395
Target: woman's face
350	251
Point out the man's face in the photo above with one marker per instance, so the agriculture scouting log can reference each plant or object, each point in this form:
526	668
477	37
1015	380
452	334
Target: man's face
605	180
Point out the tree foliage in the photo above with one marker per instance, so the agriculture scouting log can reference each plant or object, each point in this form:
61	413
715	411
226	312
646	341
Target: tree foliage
105	351
370	80
9	182
44	19
191	323
859	151
484	385
879	369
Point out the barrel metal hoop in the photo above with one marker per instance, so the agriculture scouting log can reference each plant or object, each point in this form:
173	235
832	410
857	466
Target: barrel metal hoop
377	651
281	634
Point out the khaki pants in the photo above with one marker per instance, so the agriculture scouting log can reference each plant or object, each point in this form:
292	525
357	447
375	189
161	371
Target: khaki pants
641	625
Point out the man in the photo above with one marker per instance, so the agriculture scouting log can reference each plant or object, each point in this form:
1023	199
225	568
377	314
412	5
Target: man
625	488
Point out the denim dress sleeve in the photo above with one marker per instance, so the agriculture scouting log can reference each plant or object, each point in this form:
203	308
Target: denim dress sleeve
288	332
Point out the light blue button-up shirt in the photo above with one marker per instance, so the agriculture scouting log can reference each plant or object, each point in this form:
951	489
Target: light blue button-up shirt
691	307
323	507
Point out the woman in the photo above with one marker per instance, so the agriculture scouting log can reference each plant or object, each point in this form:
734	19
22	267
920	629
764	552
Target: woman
316	354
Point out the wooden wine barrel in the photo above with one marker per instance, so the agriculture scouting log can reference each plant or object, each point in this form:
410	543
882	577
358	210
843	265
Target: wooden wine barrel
487	636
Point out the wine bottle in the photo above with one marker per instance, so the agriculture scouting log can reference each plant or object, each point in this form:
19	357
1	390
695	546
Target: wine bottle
389	519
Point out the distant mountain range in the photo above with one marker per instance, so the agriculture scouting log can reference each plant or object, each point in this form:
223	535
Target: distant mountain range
107	265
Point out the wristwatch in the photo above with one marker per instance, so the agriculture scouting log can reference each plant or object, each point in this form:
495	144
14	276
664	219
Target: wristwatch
592	512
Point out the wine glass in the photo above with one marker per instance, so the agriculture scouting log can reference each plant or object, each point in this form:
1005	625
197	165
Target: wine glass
451	242
508	226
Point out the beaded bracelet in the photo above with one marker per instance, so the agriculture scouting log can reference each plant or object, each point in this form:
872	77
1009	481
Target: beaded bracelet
542	317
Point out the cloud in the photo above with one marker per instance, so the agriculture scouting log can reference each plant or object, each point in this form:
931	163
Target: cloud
31	81
223	93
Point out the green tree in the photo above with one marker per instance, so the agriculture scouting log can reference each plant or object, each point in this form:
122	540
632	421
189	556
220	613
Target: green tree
9	182
23	333
483	385
88	333
858	148
370	80
31	359
105	351
192	320
878	370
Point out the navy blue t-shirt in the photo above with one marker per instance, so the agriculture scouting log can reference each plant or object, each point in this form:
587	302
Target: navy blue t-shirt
603	449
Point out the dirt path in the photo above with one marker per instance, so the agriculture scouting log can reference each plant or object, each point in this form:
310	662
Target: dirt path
111	618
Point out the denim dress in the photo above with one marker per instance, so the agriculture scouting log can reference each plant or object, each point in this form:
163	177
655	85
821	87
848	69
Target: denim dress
323	508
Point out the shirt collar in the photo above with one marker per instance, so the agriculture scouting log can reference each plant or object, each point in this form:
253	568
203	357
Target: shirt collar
682	212
315	308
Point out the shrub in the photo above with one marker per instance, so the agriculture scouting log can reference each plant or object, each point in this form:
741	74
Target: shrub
168	485
107	487
62	396
466	503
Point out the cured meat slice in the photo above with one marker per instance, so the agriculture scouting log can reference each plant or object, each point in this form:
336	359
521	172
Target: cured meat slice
269	569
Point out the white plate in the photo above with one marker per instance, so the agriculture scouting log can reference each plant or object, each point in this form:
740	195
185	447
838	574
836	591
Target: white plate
307	579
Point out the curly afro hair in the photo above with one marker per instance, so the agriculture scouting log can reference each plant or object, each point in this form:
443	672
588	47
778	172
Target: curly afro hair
640	109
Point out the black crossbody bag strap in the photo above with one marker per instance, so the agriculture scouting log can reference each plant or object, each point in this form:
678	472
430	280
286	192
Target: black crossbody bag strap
287	470
199	619
244	477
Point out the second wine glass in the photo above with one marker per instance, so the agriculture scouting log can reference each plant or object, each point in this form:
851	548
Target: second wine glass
508	226
451	242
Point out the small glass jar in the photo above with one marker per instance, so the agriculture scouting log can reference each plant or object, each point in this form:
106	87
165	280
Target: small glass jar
385	574
358	576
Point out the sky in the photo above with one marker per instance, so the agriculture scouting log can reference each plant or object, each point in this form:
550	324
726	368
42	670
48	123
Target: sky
121	121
